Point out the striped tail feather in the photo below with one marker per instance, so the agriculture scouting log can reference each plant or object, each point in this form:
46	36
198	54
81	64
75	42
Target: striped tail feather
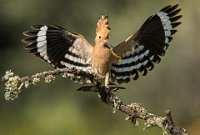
152	40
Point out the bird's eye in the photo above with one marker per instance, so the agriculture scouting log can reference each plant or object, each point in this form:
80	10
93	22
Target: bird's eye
100	37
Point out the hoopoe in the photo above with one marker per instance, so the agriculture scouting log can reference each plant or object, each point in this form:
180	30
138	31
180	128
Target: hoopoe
133	57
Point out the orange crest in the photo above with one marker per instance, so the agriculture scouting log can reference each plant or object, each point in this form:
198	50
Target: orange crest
103	28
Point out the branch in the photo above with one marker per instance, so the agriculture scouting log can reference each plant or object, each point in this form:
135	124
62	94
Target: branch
14	83
133	111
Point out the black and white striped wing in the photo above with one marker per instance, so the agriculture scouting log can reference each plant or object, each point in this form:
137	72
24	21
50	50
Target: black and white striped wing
58	47
148	45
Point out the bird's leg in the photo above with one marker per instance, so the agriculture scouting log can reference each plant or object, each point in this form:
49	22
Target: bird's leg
107	77
109	86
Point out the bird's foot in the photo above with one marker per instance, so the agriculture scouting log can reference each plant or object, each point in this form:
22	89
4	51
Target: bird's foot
103	91
112	87
88	88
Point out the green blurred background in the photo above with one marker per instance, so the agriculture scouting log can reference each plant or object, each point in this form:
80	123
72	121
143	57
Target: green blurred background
56	108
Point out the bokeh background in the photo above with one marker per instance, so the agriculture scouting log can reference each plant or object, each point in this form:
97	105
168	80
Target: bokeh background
57	108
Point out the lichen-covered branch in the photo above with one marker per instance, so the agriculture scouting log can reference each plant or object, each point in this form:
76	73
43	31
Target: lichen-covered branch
14	83
134	111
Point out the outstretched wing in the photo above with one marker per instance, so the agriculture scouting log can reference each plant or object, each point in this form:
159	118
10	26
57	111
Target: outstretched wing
57	46
141	50
60	48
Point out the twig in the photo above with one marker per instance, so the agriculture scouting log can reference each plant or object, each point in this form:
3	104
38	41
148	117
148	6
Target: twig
133	111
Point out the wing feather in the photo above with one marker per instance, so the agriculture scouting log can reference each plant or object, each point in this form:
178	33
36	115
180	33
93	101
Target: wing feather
143	49
59	47
55	44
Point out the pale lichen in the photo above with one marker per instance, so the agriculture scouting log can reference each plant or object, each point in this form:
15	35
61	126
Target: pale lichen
35	80
7	75
26	84
116	104
164	132
13	86
14	83
153	121
49	78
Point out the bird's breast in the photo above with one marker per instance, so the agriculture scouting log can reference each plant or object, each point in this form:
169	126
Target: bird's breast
102	60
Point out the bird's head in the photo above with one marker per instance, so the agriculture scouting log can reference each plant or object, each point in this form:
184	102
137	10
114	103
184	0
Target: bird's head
102	31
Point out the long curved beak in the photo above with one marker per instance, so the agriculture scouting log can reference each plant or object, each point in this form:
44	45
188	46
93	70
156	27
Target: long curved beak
108	45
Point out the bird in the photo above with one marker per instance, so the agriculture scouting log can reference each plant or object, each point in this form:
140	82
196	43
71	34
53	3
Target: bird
130	59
